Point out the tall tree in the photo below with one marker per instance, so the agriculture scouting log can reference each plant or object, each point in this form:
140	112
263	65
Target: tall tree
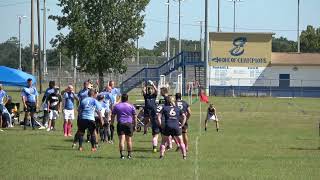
102	32
310	39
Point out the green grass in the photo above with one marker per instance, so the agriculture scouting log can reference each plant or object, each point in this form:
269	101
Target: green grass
261	138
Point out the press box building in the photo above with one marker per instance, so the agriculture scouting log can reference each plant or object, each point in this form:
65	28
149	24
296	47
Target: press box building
244	64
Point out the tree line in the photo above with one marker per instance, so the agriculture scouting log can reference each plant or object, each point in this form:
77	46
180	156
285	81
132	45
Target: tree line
9	50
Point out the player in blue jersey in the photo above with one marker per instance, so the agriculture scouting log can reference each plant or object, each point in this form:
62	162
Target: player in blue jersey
29	96
3	96
68	110
171	126
87	109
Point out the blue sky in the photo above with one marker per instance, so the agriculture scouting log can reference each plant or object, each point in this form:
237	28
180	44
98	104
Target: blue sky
278	16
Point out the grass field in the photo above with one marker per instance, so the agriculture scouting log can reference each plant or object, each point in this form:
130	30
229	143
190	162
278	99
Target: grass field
260	138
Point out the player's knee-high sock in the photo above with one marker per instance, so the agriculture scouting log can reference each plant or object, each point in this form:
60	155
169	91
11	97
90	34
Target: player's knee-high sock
65	128
111	132
32	122
183	149
154	142
169	142
76	137
162	149
53	123
93	140
80	137
69	128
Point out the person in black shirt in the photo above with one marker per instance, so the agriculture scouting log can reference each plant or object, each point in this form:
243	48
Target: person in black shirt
150	111
53	101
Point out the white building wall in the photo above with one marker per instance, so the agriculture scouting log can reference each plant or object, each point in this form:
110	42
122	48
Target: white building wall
305	76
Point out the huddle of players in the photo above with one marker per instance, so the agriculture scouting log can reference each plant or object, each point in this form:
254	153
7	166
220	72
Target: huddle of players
170	119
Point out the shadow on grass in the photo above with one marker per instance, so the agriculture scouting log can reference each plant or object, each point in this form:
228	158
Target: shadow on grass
112	157
68	140
60	148
304	149
142	150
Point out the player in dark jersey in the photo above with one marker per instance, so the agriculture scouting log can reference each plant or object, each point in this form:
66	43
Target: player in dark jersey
172	127
184	106
54	100
150	111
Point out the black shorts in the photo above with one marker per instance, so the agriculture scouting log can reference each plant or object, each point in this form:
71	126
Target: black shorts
150	113
171	131
84	124
125	129
185	127
155	128
31	107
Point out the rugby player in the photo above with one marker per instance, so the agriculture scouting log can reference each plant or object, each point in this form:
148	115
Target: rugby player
48	91
80	96
87	108
126	118
211	116
29	96
171	127
3	96
4	116
108	131
184	106
68	110
54	101
150	111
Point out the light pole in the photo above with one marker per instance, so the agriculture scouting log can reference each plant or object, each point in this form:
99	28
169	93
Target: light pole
234	13
206	46
298	30
168	31
20	19
45	67
180	45
218	30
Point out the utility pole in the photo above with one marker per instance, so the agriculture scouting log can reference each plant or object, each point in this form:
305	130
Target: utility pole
45	69
168	31
218	30
234	13
206	48
60	64
32	37
201	40
298	30
138	53
20	20
179	26
39	46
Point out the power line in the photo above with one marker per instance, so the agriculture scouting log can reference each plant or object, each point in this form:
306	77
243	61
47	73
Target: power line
223	27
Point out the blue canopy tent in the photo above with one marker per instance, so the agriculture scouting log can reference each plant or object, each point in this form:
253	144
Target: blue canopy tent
14	77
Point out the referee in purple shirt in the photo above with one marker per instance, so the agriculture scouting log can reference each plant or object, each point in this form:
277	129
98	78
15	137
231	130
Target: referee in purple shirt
126	118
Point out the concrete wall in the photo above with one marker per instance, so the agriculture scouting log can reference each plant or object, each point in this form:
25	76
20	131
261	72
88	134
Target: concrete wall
300	76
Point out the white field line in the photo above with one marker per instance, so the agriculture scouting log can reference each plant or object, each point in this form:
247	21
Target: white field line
196	169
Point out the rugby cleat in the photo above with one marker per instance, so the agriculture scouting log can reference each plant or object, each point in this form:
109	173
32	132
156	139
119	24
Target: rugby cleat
184	157
121	157
93	149
129	157
80	149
